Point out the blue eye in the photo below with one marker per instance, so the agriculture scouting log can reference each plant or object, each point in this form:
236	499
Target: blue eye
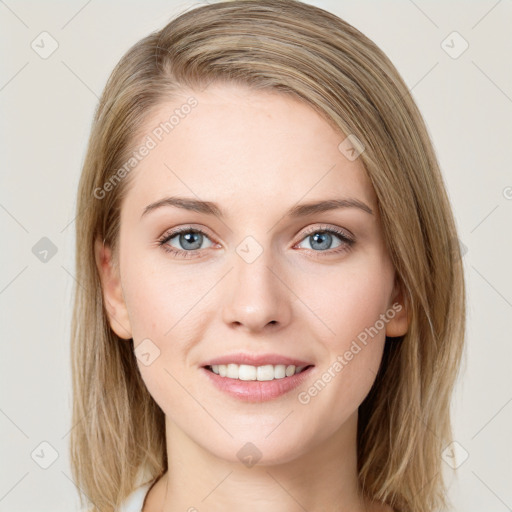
191	239
323	238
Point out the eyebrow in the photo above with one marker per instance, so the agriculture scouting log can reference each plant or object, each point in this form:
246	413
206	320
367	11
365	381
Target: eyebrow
301	210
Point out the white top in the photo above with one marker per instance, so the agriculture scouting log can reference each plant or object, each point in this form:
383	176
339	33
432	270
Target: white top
135	500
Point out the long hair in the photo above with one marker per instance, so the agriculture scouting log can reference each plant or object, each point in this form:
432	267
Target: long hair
118	436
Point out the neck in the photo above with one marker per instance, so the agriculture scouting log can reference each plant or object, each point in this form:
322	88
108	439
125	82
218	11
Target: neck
322	478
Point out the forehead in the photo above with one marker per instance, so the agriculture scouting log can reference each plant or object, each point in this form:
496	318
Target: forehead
230	144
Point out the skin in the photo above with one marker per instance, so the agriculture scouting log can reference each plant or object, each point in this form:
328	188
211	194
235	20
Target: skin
256	154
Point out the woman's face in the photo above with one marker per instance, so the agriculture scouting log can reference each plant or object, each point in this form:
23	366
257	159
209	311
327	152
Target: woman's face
269	277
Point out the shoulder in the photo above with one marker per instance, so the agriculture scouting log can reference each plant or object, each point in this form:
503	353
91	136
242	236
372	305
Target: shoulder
134	501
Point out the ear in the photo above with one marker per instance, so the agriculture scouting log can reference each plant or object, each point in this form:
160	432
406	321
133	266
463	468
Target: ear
112	292
398	325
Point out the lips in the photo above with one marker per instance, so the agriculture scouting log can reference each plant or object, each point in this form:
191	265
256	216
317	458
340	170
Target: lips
258	391
251	378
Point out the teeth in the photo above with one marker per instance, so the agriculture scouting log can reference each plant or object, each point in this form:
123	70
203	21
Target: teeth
261	373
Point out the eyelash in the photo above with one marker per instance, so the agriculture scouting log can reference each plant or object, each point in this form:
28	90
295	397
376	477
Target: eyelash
162	241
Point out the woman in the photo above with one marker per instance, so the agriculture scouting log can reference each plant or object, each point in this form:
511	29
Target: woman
302	351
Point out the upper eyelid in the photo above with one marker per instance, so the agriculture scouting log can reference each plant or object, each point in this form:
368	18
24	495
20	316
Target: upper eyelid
326	227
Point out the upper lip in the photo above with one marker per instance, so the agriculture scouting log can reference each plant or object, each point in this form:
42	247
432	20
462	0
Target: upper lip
256	360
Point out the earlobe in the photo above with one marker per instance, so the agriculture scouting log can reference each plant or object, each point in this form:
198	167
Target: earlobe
398	313
111	291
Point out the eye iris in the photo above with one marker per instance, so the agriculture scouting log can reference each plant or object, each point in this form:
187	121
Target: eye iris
186	238
324	244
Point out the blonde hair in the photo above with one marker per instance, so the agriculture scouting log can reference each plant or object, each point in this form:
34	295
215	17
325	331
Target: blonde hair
311	54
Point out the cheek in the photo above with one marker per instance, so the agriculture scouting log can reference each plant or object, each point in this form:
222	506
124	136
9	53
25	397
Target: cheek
160	296
356	309
349	310
160	306
348	301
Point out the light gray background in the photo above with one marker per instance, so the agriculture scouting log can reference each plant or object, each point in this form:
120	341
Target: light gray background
46	110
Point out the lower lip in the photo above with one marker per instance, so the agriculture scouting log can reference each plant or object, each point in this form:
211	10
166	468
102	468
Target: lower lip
255	390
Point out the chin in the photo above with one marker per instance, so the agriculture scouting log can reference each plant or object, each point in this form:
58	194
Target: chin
259	451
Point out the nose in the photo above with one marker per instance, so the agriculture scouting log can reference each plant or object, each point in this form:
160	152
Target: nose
256	297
